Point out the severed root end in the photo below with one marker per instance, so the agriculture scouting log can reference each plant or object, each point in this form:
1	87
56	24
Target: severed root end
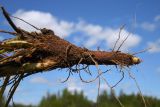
136	60
45	65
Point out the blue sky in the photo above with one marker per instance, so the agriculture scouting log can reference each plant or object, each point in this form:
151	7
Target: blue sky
90	24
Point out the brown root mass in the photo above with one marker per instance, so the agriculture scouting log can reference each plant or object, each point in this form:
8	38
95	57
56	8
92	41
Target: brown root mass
34	52
56	53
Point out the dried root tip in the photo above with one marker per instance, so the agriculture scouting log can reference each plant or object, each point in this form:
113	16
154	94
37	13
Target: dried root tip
136	60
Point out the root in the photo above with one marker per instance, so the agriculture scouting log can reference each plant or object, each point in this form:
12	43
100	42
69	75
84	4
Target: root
123	42
142	51
119	80
92	80
10	21
12	33
143	99
3	87
99	79
29	53
69	73
25	22
112	90
119	35
13	89
99	71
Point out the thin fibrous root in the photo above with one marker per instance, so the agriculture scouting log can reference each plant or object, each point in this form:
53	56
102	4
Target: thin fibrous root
119	35
143	99
25	22
5	13
112	90
15	85
99	71
69	73
119	80
92	80
3	87
12	33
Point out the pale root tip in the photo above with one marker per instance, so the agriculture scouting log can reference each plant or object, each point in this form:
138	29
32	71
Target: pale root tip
136	60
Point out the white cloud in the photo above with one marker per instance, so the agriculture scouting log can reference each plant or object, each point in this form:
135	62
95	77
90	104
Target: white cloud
93	34
157	18
40	80
97	33
155	46
148	26
74	85
41	20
